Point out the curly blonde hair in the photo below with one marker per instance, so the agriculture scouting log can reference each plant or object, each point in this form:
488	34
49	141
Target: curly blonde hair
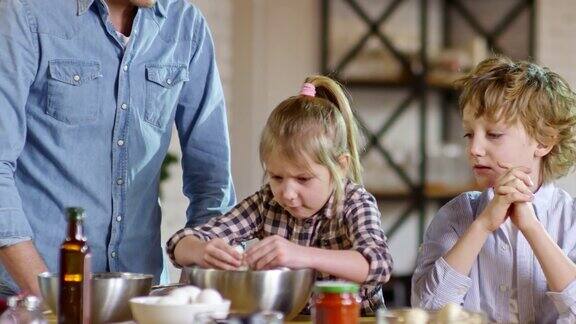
500	89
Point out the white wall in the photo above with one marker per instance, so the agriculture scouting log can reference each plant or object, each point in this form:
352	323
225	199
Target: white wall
557	49
265	48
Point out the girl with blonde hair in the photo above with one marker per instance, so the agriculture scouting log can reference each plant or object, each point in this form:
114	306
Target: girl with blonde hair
312	211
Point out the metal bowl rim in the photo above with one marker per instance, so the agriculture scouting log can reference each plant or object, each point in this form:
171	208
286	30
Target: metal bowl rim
104	275
282	270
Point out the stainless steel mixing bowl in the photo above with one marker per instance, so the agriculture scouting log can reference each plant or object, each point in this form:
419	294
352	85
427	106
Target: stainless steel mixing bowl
111	292
282	290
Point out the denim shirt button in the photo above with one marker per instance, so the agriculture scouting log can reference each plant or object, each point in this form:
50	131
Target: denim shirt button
169	81
124	106
76	78
125	67
118	218
120	142
119	181
113	254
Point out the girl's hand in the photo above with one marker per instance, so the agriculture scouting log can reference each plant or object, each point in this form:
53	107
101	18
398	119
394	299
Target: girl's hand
510	188
273	252
218	254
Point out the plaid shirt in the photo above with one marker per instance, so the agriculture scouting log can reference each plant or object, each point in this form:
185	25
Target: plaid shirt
355	227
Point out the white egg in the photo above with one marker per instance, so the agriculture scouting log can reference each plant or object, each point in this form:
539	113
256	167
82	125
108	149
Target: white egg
181	295
192	292
449	313
171	300
416	316
243	266
239	248
186	293
209	296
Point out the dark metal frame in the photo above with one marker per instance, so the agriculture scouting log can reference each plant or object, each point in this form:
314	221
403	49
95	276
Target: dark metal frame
416	83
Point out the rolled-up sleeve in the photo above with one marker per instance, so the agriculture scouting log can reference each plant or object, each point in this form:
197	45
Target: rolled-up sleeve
203	133
369	239
18	65
565	303
434	282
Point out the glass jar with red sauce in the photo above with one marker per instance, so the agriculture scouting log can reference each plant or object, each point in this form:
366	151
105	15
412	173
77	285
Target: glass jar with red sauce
336	302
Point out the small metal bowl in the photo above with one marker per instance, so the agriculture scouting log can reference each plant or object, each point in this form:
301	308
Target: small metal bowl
282	290
111	292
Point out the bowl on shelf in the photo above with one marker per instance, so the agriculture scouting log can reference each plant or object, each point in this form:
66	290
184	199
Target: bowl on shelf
111	292
148	310
282	290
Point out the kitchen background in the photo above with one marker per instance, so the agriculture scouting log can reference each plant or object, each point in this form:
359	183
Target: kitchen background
265	49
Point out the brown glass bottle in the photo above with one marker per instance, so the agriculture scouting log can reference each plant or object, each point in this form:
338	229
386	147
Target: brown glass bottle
74	297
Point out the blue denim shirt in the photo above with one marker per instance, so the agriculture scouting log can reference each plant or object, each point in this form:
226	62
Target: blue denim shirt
86	121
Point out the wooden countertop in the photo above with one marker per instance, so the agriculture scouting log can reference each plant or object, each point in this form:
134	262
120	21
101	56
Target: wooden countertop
301	319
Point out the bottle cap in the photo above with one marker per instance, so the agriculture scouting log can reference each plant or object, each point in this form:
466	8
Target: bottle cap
336	287
75	213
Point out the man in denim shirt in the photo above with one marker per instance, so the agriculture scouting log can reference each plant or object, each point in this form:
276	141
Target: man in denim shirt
89	90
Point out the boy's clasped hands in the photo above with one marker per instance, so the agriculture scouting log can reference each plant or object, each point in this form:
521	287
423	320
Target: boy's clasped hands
271	252
512	198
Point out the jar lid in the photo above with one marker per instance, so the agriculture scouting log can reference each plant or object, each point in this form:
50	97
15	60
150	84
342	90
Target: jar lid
336	287
13	301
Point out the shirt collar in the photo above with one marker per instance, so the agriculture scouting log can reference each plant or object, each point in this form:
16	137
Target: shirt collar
84	5
160	8
543	198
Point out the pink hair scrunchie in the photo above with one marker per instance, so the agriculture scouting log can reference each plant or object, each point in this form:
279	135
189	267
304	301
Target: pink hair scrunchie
308	89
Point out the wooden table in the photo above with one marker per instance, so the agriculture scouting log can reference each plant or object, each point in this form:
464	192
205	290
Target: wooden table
300	319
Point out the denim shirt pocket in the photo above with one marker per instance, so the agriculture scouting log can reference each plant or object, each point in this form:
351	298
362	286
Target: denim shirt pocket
164	82
74	91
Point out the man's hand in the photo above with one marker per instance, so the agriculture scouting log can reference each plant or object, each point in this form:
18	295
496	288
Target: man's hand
23	263
218	254
275	251
511	188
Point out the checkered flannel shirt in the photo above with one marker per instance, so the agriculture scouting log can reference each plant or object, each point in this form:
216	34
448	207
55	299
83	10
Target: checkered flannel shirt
355	227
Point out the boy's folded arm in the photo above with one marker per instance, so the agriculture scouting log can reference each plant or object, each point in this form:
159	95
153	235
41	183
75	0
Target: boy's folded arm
436	283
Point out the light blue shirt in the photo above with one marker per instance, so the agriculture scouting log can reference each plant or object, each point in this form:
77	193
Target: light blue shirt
85	120
488	286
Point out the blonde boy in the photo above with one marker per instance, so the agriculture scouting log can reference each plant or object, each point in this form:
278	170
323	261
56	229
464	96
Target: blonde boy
508	251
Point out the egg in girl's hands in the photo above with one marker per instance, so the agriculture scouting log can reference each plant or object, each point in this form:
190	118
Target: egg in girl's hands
243	266
209	296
